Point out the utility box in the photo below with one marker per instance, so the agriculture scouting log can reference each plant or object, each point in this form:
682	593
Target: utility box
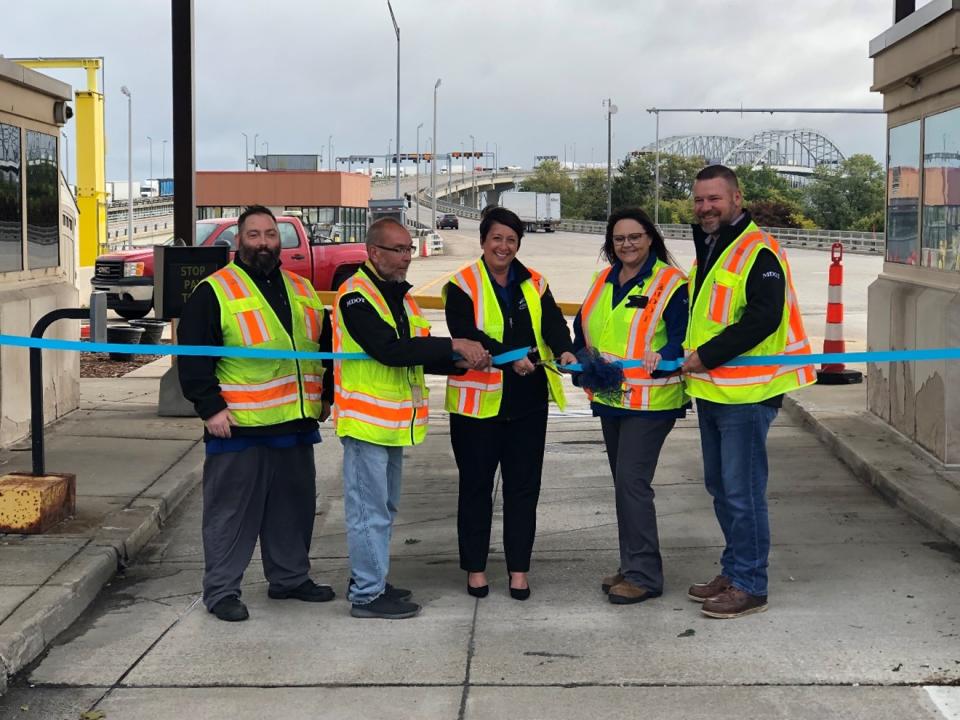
178	270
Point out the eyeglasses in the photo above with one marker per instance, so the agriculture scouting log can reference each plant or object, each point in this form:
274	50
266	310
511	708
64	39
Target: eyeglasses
402	250
632	238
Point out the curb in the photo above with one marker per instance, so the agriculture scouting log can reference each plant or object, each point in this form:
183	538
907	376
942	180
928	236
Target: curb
64	596
883	459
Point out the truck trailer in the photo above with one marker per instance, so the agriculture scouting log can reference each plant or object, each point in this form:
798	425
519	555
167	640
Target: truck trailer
537	211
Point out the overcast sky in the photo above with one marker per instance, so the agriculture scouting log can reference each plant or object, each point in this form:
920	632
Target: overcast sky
529	75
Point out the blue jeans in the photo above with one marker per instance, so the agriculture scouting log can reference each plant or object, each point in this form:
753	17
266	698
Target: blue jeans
734	443
371	494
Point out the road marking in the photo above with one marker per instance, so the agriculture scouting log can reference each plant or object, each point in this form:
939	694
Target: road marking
947	700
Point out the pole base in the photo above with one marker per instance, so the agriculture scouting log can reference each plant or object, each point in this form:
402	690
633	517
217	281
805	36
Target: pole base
839	377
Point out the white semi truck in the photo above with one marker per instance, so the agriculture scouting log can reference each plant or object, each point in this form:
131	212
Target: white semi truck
538	211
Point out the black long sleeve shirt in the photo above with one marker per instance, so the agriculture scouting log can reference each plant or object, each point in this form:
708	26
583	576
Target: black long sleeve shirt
521	394
394	348
766	295
200	325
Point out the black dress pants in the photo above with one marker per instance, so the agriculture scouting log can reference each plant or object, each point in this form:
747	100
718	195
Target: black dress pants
516	446
258	493
633	449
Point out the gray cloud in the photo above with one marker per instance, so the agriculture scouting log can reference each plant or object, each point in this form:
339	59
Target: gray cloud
529	75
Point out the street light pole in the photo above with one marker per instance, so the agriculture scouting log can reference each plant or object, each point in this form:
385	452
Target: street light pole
611	110
255	146
329	152
246	151
433	158
396	29
163	157
150	141
656	181
417	195
126	91
473	156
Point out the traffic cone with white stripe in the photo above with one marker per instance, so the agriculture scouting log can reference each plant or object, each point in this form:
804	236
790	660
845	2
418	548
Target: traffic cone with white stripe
833	342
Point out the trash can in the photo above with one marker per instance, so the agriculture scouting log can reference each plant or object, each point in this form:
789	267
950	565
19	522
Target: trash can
126	335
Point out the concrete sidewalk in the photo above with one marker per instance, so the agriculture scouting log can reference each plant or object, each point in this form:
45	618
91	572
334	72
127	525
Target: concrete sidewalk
863	619
133	468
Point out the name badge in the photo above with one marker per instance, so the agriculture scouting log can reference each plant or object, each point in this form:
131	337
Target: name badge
417	393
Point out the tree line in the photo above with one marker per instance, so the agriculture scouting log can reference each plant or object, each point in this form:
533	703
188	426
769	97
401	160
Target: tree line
849	196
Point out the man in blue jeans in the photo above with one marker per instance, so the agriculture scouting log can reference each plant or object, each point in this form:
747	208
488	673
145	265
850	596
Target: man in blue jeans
381	407
742	303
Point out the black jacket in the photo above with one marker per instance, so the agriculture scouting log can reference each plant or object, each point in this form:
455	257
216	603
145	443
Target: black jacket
521	394
200	325
394	348
766	294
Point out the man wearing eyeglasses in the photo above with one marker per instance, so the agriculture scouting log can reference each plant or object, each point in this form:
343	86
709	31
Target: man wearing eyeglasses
380	407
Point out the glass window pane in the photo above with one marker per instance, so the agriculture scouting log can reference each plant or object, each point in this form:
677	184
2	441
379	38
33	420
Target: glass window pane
903	193
288	235
11	206
940	236
43	201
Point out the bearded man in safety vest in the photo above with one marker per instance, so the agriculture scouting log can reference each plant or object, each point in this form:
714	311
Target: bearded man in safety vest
260	418
381	406
742	303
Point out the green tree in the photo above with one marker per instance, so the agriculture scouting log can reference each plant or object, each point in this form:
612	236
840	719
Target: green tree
549	177
591	195
846	197
634	184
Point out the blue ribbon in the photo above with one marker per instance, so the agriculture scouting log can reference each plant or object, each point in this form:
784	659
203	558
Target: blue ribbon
205	350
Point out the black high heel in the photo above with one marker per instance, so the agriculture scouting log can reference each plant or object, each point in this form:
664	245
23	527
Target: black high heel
478	592
518	593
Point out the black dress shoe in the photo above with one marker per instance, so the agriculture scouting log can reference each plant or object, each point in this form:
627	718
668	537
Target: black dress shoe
308	591
478	592
519	593
394	593
230	609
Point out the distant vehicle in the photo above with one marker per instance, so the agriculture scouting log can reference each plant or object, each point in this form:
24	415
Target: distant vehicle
448	220
127	275
537	211
510	168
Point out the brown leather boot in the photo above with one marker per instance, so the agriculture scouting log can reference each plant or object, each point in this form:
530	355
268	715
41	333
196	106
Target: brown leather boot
733	603
610	580
626	593
698	592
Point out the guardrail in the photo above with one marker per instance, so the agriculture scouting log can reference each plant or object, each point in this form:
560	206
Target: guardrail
142	208
866	243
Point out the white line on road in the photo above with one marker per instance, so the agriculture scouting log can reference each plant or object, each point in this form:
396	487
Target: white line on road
947	700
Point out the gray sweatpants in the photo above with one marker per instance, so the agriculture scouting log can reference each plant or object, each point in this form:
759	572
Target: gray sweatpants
263	493
633	448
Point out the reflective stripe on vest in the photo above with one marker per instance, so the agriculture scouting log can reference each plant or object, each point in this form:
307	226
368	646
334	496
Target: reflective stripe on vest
604	328
724	306
478	393
374	402
268	392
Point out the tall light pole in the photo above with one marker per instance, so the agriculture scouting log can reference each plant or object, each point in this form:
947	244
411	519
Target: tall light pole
246	151
126	91
433	158
255	146
163	157
611	110
386	158
417	195
266	144
329	152
150	141
396	29
473	155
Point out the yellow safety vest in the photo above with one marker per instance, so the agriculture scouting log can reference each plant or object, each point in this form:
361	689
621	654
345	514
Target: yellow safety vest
268	392
721	302
478	393
373	402
624	332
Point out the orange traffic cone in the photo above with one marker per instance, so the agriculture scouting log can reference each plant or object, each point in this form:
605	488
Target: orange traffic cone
833	342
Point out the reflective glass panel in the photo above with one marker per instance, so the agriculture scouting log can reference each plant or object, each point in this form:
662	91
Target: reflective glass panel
903	193
940	235
43	201
11	204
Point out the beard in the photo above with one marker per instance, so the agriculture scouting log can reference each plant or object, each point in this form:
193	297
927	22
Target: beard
262	260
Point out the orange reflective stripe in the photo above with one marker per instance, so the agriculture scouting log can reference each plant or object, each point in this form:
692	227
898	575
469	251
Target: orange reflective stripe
312	320
299	284
235	287
590	302
355	283
738	256
719	308
376	410
471	282
539	281
252	327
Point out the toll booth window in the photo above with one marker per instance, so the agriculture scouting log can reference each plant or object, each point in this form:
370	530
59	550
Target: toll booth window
903	193
43	201
940	234
11	205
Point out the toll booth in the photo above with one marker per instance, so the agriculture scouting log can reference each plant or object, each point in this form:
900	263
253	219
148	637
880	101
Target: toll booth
178	269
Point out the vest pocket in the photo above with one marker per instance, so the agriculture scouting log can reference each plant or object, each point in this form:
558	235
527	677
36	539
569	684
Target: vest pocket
721	299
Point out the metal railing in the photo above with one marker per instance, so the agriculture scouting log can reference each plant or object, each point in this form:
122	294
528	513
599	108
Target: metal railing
142	208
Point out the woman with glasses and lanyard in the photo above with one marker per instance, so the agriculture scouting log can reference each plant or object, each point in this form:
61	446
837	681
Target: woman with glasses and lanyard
636	309
498	416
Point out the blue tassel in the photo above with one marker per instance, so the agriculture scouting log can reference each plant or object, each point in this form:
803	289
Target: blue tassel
599	375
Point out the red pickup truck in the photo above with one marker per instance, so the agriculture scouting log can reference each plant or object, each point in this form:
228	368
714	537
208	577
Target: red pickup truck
127	275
